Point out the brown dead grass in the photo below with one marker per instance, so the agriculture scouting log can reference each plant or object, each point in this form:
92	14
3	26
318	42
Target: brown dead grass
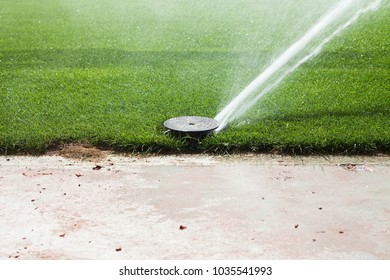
79	151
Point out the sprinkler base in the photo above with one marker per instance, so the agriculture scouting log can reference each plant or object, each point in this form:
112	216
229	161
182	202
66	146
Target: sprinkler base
191	128
194	126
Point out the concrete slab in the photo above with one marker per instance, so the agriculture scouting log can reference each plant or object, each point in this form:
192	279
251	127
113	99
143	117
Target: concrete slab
194	207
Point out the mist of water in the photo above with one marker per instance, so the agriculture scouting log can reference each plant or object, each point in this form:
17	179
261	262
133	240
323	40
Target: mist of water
279	69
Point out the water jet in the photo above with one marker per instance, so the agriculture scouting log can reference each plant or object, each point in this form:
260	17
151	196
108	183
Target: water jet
308	46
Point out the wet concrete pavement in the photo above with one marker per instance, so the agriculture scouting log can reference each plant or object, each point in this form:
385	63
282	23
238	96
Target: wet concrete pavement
195	207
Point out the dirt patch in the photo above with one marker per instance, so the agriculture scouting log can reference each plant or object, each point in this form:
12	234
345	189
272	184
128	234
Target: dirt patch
79	151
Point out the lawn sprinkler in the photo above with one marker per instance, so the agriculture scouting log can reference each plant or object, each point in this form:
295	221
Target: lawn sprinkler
192	128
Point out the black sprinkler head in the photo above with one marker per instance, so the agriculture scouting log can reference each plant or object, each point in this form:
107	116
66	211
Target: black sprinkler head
193	128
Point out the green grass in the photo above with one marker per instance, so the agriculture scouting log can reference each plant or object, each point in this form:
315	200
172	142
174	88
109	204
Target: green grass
110	72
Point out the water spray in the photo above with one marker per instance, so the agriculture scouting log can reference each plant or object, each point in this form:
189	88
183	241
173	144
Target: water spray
195	128
240	104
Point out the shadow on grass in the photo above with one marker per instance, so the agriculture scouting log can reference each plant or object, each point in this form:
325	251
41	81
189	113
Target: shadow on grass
91	58
85	58
368	110
349	59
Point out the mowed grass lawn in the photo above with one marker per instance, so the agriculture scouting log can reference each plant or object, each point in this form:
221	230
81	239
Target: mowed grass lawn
109	73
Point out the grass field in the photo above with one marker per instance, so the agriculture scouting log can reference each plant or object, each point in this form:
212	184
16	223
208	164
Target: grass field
109	73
